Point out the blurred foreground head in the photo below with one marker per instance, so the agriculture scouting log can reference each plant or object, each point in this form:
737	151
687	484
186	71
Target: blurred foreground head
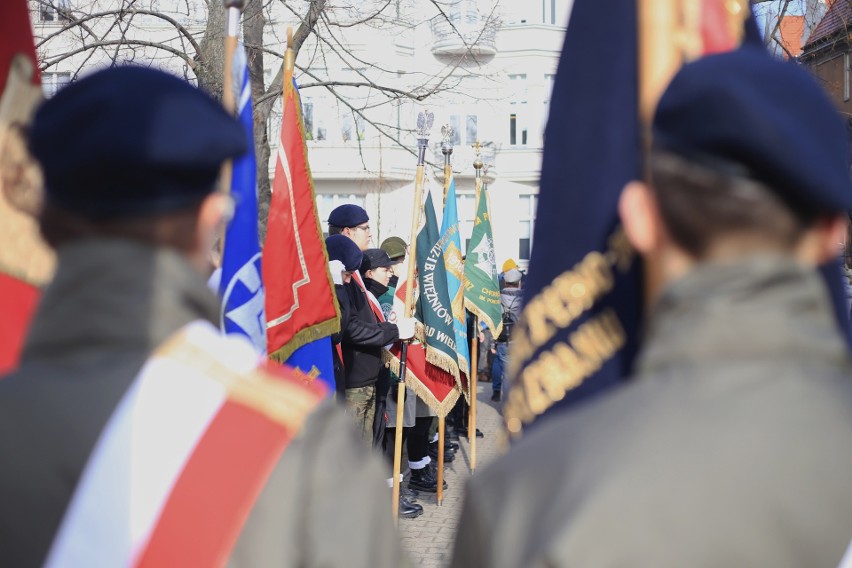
134	153
749	156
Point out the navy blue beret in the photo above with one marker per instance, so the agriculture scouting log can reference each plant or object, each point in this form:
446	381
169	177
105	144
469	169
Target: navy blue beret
348	215
131	141
746	113
376	258
344	249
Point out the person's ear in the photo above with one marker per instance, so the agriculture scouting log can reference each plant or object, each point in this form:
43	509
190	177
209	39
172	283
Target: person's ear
637	208
830	236
213	216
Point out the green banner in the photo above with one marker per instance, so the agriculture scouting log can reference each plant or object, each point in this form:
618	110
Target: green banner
434	305
481	290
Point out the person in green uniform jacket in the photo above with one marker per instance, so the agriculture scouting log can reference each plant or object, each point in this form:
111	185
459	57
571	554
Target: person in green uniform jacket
131	158
732	443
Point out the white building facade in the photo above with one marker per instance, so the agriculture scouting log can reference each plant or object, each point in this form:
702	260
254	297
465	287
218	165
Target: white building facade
488	66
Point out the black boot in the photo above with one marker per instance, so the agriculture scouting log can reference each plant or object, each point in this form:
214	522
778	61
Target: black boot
449	445
433	473
449	455
422	481
410	494
496	396
409	510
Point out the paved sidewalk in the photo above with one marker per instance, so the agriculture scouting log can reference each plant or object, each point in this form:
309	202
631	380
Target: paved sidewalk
428	539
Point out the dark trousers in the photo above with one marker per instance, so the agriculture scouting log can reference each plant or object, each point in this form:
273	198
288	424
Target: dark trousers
389	442
418	440
458	416
380	420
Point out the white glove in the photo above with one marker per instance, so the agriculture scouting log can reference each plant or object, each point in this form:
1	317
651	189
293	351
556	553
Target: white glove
337	269
406	327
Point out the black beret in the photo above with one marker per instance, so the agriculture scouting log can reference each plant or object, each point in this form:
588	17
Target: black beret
132	140
348	215
748	114
344	249
376	258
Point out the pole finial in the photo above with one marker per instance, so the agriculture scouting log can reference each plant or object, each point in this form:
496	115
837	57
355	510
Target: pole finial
289	56
447	135
425	119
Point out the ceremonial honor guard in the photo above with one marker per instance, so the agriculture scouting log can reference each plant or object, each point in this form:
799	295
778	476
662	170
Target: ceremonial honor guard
133	433
344	258
366	331
730	446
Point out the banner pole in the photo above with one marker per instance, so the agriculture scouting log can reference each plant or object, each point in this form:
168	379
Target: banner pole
442	420
233	11
424	125
473	385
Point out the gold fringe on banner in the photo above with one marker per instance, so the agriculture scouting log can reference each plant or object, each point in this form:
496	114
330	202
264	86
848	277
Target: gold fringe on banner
304	337
441	408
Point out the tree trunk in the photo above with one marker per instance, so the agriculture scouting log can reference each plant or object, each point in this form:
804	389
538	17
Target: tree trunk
211	60
254	22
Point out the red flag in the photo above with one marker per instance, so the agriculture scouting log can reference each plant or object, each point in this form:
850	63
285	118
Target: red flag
25	262
437	387
300	302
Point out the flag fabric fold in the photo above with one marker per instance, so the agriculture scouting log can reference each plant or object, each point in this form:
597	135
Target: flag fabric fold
583	295
450	244
241	285
431	363
301	307
578	333
433	306
481	288
215	432
26	263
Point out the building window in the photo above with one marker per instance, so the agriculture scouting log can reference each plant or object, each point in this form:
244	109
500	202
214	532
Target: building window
845	76
53	11
455	124
52	82
327	202
526	220
548	11
308	119
471	130
518	110
466	203
314	124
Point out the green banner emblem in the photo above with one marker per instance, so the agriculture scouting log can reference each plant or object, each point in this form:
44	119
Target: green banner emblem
481	291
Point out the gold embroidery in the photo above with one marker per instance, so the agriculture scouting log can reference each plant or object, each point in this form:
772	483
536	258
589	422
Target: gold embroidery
546	379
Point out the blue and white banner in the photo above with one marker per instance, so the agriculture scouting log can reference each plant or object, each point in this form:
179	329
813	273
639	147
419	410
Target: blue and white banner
241	286
451	247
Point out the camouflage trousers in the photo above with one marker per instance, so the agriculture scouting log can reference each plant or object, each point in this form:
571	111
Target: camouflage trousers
361	405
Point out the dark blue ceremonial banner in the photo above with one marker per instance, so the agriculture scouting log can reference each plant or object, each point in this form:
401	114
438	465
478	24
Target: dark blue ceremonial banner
579	331
583	293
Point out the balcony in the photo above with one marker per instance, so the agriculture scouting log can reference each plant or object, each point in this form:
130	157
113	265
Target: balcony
464	34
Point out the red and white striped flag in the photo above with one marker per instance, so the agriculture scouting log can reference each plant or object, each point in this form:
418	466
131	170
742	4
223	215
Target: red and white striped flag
184	456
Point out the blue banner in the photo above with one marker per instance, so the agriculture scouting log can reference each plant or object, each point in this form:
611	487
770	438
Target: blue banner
314	363
241	286
451	246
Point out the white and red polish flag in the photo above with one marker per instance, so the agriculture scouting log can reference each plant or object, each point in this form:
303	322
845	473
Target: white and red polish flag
184	456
